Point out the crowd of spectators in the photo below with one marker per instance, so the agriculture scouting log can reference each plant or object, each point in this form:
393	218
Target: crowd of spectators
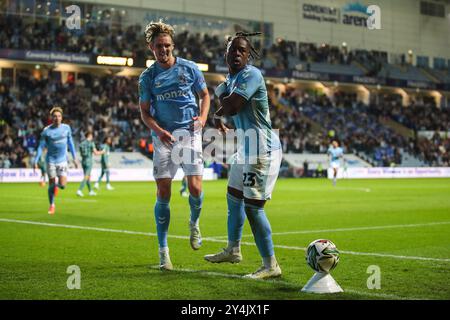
324	53
107	106
434	151
52	35
98	38
344	119
421	114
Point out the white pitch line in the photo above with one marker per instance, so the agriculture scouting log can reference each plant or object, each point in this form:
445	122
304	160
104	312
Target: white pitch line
383	255
59	199
337	188
373	254
356	189
290	284
349	229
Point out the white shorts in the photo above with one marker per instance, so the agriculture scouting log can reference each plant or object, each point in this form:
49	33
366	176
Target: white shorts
57	170
257	181
335	164
185	152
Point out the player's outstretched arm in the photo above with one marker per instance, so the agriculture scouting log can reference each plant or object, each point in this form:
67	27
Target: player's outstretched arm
151	123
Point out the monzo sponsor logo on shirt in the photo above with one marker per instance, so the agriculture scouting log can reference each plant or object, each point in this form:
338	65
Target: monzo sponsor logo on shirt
172	95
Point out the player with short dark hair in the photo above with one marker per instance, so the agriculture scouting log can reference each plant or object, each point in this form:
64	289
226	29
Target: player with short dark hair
253	173
169	108
56	138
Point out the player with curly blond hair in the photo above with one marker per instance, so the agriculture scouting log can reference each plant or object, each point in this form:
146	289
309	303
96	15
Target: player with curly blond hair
168	107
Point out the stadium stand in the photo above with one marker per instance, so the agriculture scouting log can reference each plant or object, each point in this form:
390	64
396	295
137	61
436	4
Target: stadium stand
108	105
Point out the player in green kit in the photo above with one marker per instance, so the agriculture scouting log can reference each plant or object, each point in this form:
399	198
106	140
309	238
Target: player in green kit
87	148
105	147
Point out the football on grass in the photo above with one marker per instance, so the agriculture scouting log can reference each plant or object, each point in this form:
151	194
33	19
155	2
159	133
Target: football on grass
322	255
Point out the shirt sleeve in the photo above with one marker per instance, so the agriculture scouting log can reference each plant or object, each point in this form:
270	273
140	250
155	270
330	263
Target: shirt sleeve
248	83
199	80
144	89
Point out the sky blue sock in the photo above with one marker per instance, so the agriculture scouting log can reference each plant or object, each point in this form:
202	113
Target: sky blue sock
196	207
51	193
107	176
236	218
261	229
162	218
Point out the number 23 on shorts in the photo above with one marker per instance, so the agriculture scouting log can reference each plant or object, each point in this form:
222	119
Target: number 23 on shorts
249	179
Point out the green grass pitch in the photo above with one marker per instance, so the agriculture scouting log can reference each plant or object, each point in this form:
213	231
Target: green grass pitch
401	226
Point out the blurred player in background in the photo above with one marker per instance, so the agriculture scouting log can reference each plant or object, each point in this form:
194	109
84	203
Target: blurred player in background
56	138
184	186
244	97
168	107
106	148
43	167
87	148
345	167
336	153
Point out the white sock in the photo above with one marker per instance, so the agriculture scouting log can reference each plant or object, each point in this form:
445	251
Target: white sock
196	223
235	246
269	262
164	250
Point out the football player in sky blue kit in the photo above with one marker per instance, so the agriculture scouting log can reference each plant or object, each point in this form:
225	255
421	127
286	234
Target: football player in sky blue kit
168	107
336	153
56	138
253	173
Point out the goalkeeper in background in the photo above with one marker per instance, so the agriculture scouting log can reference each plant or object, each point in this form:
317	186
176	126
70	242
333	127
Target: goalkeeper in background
106	148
